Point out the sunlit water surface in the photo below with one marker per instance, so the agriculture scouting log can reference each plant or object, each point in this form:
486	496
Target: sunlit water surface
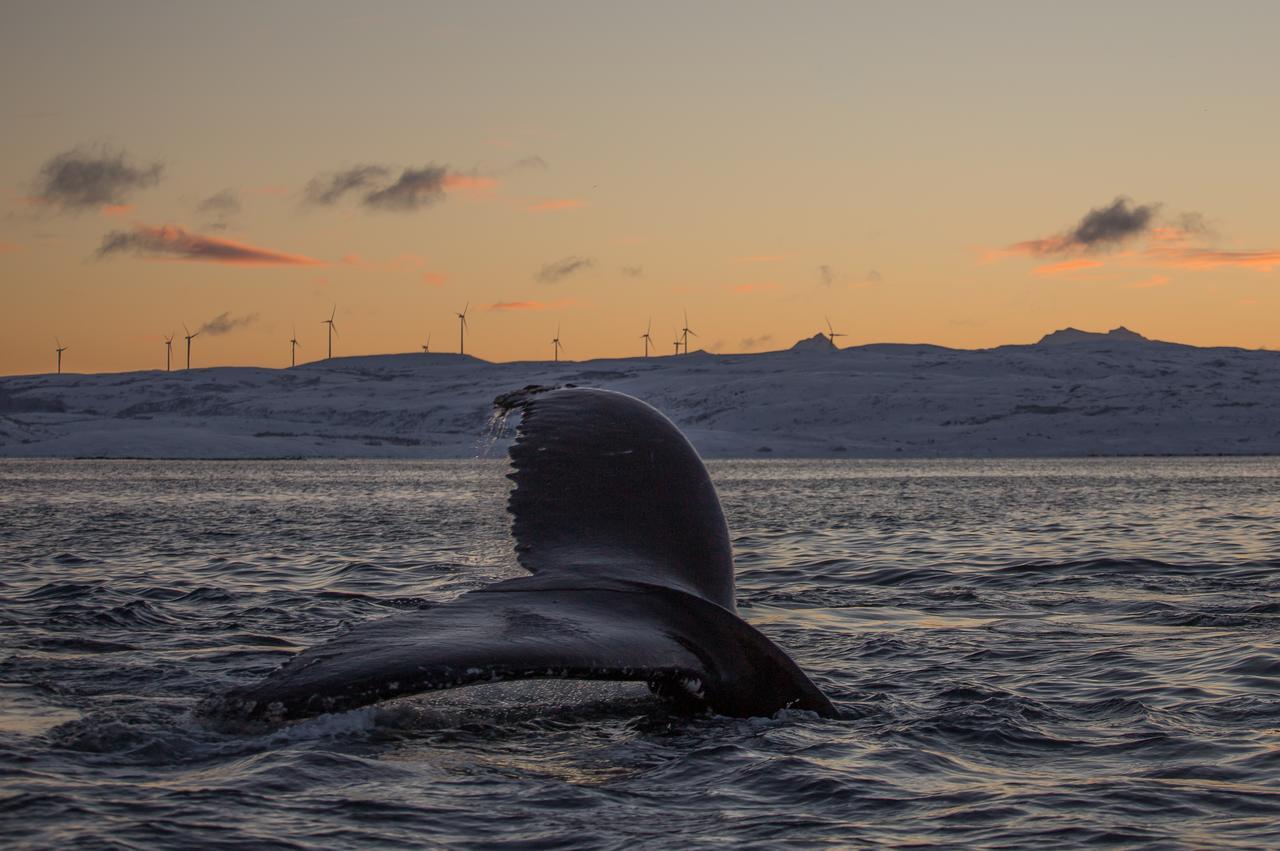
1021	651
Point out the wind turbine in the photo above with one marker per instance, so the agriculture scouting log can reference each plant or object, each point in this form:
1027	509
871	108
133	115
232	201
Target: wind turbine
555	345
687	331
645	336
462	330
61	349
426	347
333	329
190	337
293	347
677	333
168	351
831	332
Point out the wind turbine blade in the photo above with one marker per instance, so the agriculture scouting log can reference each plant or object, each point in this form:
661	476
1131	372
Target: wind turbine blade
465	309
335	330
333	313
185	328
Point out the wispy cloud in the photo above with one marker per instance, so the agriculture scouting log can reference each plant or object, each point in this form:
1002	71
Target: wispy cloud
92	176
517	305
749	343
404	262
558	270
327	189
456	182
221	207
175	243
1063	267
552	205
826	275
225	323
433	279
414	189
748	289
1209	258
632	271
1100	229
530	163
1176	242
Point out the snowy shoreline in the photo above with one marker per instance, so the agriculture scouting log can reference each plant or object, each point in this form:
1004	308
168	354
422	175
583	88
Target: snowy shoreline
1082	395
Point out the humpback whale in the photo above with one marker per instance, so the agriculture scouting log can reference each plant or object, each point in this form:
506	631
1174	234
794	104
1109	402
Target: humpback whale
631	578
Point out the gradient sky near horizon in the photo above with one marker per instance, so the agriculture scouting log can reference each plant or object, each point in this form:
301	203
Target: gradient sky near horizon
918	172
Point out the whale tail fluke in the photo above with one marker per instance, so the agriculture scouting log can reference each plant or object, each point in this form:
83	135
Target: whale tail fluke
618	521
681	645
606	486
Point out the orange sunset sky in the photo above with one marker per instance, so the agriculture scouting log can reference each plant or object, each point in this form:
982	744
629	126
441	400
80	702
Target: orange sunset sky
963	174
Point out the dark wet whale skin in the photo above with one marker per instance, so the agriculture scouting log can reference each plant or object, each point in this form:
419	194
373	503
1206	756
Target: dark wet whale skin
617	518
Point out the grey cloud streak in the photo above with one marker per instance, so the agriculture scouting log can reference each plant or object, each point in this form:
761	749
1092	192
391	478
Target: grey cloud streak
91	176
225	323
558	270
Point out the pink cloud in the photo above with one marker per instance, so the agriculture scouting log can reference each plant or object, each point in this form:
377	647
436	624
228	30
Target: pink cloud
1153	281
10	247
433	279
556	204
1067	266
746	289
529	305
171	242
517	305
1208	258
454	182
116	211
403	262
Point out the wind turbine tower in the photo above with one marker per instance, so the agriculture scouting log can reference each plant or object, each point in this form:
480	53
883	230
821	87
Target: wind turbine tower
686	332
462	330
293	347
168	352
333	329
555	346
189	338
645	336
677	333
832	333
61	349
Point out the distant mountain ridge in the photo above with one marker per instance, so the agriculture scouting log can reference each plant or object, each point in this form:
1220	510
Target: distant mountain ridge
817	343
1075	335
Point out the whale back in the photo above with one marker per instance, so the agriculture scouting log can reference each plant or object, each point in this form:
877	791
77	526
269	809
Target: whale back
608	488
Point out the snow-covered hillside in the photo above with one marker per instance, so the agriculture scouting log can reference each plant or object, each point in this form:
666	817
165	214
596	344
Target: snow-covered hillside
1072	394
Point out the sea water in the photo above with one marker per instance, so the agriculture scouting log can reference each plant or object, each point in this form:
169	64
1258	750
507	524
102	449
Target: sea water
1021	652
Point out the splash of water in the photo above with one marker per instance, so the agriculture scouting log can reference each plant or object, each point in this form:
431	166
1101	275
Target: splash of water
494	429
